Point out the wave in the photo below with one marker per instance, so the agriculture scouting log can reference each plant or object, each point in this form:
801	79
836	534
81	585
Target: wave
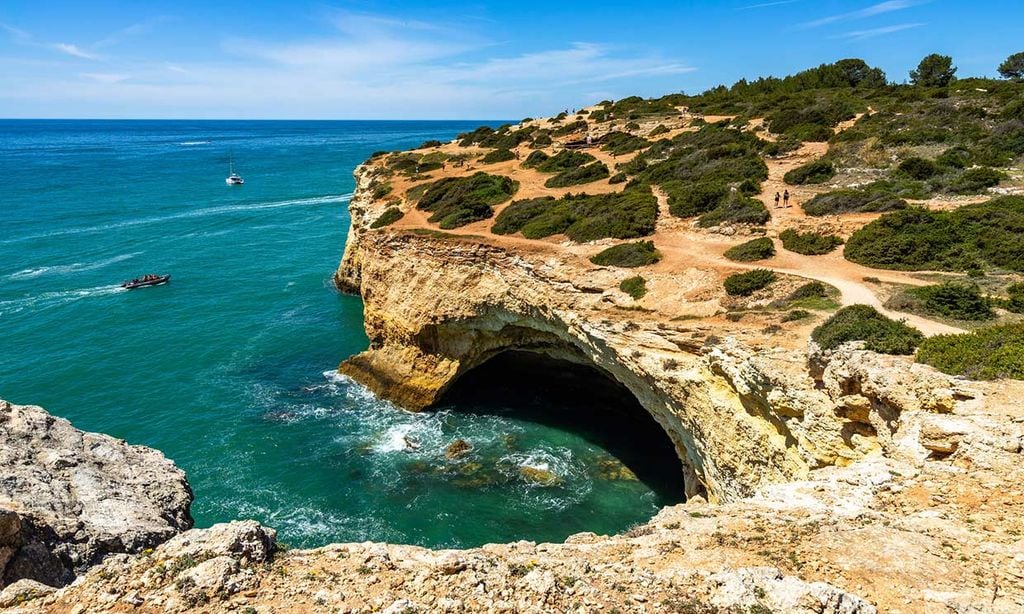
194	143
76	267
205	212
61	297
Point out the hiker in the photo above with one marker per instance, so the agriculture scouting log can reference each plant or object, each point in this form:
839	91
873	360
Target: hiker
777	197
590	140
785	199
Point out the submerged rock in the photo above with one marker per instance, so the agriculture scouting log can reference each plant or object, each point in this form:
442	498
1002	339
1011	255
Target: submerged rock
70	498
457	449
613	469
539	476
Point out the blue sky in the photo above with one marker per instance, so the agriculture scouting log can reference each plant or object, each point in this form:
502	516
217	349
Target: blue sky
441	59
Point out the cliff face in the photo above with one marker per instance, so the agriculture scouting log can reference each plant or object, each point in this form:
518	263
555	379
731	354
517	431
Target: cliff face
740	415
69	498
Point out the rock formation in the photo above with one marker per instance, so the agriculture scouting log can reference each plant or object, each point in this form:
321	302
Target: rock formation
68	498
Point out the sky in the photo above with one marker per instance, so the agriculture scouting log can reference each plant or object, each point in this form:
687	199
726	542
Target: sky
359	59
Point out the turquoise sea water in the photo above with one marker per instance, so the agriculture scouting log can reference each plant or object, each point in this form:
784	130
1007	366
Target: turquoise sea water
229	368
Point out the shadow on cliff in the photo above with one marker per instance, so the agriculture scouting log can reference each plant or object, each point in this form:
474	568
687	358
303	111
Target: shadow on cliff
576	399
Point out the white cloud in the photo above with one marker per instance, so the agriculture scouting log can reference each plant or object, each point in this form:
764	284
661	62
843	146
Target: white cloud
102	77
75	51
876	9
765	5
862	34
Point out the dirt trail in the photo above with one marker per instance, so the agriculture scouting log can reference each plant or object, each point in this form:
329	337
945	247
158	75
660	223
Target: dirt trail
685	247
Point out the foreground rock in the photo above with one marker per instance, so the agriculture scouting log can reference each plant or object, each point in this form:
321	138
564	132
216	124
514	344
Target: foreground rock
69	498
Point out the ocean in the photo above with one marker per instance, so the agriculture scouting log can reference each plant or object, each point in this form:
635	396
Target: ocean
230	369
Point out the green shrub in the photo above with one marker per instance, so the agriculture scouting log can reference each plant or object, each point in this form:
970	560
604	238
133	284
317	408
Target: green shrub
688	199
564	160
634	286
812	289
498	155
920	239
745	284
864	323
390	216
758	249
430	144
918	168
989	353
750	187
535	159
628	255
957	300
513	217
623	143
1016	301
810	243
457	201
625	215
853	201
578	176
976	180
570	128
736	209
796	315
542	139
617	178
818	171
659	130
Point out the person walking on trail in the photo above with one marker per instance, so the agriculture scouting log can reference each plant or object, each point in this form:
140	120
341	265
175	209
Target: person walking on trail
785	199
777	200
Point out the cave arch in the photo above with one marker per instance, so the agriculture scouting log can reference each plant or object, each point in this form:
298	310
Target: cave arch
556	385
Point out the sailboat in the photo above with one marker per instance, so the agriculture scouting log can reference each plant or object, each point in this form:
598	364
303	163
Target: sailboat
234	178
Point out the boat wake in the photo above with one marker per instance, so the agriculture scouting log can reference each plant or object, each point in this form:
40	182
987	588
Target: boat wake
53	299
205	212
63	269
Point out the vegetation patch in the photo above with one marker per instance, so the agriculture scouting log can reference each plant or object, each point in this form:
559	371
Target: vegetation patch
628	255
578	176
622	143
758	249
809	243
956	300
812	295
864	323
735	209
564	160
818	171
994	352
963	239
796	315
625	215
745	284
636	287
862	200
390	216
457	201
498	155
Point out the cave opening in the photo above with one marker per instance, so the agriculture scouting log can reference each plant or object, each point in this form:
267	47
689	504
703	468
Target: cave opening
580	402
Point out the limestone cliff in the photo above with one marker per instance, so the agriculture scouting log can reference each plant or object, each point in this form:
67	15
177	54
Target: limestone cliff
69	498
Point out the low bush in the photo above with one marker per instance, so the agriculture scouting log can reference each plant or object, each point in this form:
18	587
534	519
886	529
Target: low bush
864	323
809	243
1016	301
976	180
745	284
390	216
818	171
498	155
542	139
535	159
617	178
578	176
659	130
457	201
796	315
957	300
758	249
918	168
562	161
623	143
921	239
853	201
430	144
570	128
688	199
628	255
625	215
811	289
989	353
736	209
634	286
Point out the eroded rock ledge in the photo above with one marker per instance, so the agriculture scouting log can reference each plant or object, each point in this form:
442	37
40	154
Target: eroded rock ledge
69	498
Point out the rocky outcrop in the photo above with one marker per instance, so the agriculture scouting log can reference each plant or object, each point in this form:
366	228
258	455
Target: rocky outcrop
70	498
740	415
